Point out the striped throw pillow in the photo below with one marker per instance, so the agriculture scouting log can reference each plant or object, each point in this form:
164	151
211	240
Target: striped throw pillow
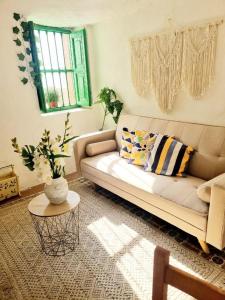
168	157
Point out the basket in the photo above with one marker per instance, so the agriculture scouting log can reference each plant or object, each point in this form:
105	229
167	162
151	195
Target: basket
9	185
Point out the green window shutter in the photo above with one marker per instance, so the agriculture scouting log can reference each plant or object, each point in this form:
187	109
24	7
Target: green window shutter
81	70
40	91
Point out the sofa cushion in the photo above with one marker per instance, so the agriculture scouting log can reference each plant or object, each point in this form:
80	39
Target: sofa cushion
142	144
127	140
168	157
176	189
101	147
204	190
208	141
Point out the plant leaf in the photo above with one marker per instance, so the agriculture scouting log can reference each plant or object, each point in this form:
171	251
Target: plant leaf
116	119
28	51
33	74
24	25
31	148
68	140
14	140
21	56
37	82
22	68
18	42
16	16
24	80
29	165
110	107
26	36
16	30
32	64
24	152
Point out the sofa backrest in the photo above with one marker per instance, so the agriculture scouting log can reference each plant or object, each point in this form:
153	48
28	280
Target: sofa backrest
208	141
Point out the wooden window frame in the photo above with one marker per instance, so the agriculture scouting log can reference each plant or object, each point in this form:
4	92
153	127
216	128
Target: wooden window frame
81	34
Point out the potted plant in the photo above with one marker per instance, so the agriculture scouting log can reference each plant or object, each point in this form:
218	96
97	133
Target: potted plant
52	99
47	159
108	98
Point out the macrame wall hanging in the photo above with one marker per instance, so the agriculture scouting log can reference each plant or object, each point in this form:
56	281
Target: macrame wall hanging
164	61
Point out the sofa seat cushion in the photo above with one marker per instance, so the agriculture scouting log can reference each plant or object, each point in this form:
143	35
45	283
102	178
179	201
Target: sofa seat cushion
176	189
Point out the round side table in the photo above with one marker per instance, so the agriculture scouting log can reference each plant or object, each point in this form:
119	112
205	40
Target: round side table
57	226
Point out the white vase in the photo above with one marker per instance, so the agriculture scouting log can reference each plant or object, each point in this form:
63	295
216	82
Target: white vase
57	191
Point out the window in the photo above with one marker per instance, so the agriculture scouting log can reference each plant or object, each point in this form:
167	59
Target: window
60	60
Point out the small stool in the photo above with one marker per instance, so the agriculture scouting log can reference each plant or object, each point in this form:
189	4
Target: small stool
57	226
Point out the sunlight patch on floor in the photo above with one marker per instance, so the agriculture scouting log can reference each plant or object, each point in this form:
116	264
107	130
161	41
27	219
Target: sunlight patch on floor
136	267
112	236
135	256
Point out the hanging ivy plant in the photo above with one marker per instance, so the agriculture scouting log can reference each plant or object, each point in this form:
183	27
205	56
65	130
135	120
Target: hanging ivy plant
22	41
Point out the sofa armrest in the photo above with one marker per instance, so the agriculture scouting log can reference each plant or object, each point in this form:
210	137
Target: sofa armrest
216	218
81	142
204	190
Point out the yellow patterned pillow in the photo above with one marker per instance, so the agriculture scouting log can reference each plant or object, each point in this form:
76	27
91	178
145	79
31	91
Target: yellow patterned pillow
142	144
126	143
128	140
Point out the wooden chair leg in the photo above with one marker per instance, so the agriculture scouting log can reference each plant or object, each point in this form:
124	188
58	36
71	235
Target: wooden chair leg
161	262
204	246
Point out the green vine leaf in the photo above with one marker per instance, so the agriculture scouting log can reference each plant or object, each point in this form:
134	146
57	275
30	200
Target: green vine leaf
24	80
37	82
16	30
22	68
32	64
33	74
26	36
18	42
28	51
21	56
24	25
16	16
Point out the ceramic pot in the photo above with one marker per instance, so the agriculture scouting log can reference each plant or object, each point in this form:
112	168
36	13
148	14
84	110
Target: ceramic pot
53	104
57	191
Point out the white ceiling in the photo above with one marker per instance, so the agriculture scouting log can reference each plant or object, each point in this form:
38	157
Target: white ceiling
72	12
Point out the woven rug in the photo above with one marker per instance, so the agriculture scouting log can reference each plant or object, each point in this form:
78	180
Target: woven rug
114	259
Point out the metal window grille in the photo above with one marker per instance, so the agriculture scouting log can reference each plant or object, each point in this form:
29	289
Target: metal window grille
55	57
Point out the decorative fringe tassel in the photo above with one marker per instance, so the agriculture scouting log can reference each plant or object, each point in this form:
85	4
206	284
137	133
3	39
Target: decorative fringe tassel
162	62
141	61
167	69
199	58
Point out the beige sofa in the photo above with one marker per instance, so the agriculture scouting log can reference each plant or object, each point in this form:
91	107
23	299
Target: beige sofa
173	199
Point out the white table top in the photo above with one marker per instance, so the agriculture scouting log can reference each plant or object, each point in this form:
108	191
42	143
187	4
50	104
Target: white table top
40	205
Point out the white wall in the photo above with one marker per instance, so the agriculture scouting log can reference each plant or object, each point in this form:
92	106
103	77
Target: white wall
19	111
112	54
109	56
